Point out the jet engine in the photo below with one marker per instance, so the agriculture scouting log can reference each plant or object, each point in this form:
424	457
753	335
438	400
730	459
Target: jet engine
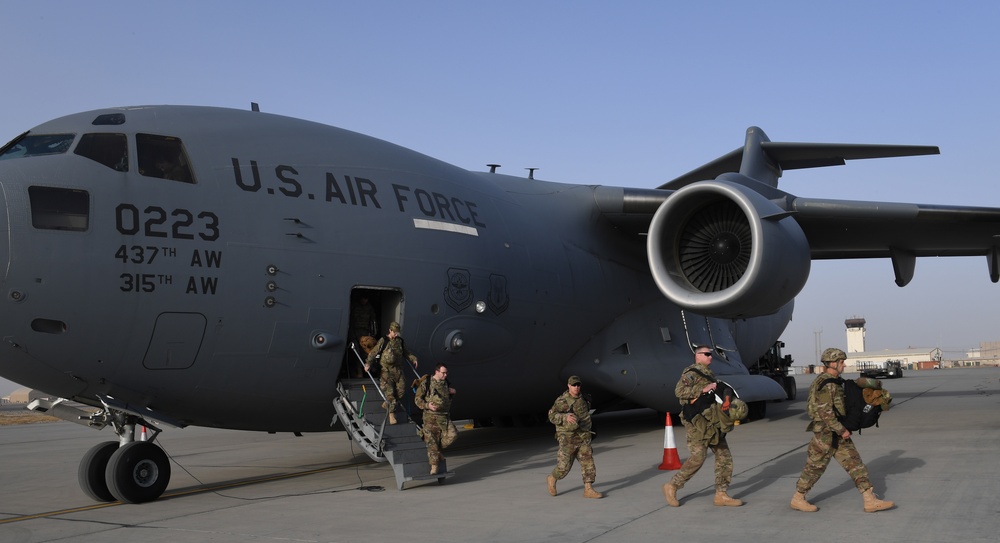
721	249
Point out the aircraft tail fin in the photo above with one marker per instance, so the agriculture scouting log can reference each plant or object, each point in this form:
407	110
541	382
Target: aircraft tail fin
765	160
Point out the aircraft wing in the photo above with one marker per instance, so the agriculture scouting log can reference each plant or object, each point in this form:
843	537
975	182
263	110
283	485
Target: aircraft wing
902	232
735	246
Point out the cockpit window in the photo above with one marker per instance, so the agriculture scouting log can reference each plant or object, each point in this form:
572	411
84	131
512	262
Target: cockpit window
37	145
110	150
163	157
59	209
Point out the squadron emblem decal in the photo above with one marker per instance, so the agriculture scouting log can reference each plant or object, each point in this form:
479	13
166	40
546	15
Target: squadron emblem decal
459	291
499	296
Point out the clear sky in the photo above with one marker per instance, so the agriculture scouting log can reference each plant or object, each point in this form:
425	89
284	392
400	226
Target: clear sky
617	93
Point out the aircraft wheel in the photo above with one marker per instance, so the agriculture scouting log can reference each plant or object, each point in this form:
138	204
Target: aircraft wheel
93	466
138	472
791	388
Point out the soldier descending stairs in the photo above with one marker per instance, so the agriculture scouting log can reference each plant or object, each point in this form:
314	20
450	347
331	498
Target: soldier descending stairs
361	411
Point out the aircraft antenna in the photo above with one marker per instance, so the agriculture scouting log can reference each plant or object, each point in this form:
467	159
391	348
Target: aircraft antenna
254	106
531	172
493	167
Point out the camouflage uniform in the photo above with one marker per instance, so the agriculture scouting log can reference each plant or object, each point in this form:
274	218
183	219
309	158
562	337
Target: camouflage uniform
826	442
574	439
701	437
391	377
439	431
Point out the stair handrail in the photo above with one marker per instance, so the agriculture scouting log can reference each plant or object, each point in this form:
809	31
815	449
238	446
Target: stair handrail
366	367
413	391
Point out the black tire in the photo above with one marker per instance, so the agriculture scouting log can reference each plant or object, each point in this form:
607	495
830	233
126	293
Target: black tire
93	466
791	388
757	410
138	472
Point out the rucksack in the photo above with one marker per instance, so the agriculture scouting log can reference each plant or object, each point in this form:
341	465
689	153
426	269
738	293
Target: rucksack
859	414
731	407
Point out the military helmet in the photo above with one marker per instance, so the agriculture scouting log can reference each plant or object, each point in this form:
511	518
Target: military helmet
738	409
832	355
394	327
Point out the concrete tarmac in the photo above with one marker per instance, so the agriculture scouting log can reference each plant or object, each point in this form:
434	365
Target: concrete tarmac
934	455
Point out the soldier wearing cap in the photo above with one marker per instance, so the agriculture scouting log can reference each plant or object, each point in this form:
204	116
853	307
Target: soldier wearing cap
390	351
571	415
697	380
831	439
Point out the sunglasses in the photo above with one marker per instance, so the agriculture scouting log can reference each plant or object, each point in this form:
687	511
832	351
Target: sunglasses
576	384
706	354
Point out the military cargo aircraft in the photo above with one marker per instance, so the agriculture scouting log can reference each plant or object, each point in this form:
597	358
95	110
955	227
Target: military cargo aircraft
187	265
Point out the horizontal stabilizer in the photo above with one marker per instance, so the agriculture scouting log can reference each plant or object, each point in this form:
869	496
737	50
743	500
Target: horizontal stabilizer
780	156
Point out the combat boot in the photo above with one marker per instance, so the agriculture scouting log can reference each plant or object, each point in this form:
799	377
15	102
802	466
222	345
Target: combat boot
589	492
872	503
799	503
723	499
392	418
552	484
670	493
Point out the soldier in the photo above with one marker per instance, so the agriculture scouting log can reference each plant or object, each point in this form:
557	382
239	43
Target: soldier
571	415
831	439
390	351
434	397
697	380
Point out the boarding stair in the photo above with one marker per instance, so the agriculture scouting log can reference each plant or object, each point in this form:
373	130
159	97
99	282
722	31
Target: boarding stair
359	410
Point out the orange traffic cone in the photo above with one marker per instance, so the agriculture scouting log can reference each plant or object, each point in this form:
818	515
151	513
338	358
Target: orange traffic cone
670	458
142	436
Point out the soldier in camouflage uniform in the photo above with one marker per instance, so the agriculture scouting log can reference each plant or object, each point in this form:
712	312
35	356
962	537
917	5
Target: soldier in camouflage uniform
831	439
701	436
434	397
571	415
392	350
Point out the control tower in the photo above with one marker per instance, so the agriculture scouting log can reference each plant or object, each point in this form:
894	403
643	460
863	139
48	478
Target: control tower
855	335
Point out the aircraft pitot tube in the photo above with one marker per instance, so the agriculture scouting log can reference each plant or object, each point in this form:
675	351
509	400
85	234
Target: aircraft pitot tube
721	249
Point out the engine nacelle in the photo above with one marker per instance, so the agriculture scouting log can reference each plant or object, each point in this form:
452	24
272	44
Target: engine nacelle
720	249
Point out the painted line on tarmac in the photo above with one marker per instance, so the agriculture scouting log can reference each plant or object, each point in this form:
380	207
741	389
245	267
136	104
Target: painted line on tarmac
188	492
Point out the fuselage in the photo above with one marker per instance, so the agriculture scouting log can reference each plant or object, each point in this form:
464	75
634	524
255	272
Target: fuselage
200	262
